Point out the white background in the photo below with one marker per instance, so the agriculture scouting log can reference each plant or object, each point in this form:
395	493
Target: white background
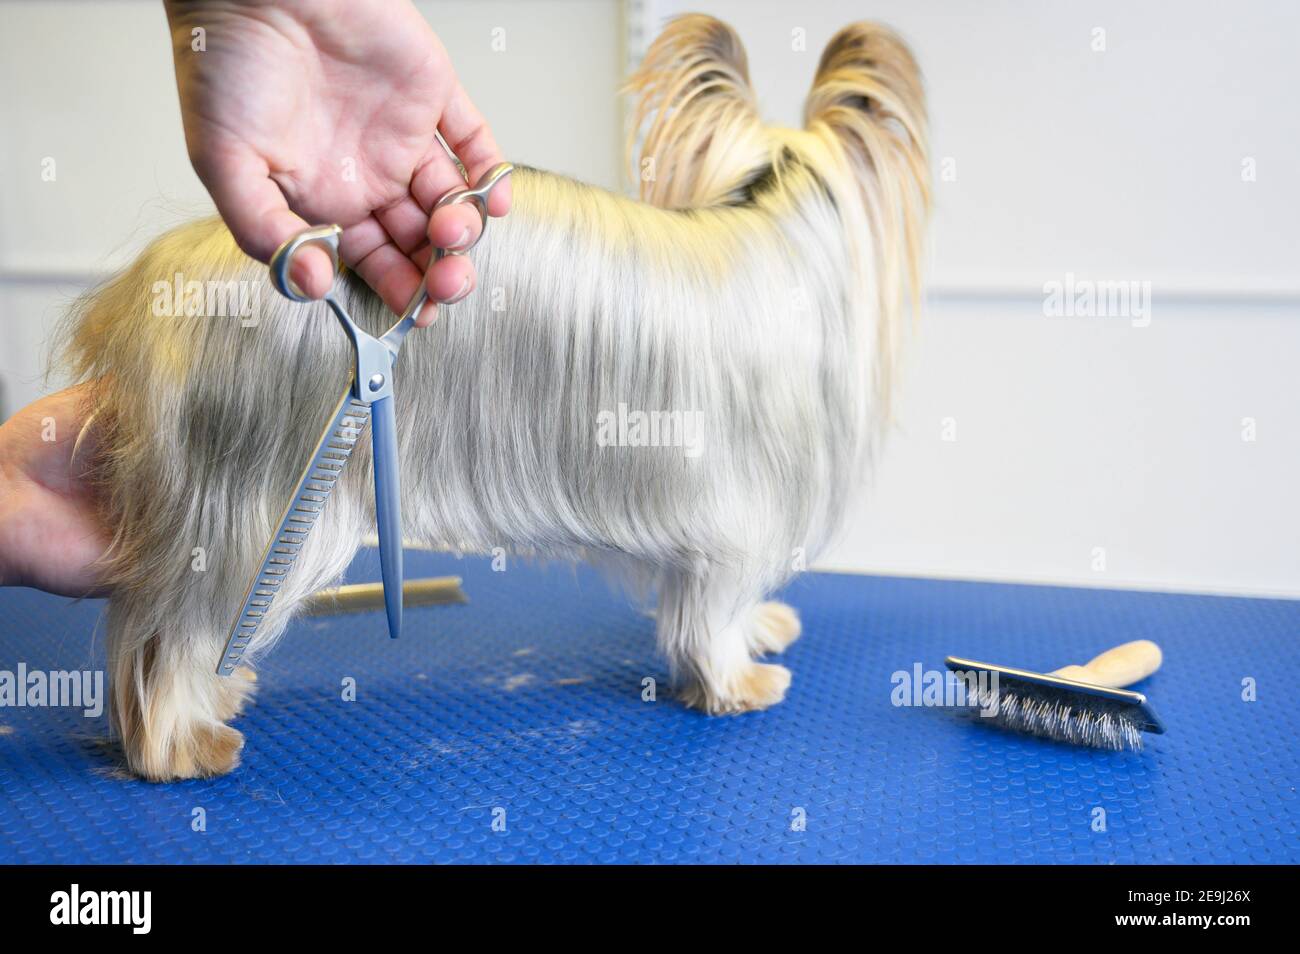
1122	164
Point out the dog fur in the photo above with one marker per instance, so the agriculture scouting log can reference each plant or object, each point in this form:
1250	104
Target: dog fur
763	283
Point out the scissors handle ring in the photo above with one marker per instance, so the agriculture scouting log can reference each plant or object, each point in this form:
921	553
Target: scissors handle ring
479	196
326	236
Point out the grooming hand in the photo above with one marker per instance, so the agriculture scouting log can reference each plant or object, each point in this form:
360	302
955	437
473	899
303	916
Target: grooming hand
325	111
50	533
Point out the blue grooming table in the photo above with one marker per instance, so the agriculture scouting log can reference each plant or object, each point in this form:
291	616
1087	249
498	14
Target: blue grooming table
529	700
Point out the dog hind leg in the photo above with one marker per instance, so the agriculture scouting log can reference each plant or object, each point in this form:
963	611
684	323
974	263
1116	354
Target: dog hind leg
169	707
165	634
705	626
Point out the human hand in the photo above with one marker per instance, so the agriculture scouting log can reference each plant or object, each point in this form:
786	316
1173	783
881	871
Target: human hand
50	532
325	111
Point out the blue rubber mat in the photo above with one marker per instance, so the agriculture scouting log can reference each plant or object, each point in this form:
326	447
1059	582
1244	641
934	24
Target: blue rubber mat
525	708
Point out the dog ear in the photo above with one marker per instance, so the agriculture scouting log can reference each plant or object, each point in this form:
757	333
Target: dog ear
867	87
867	106
705	142
868	97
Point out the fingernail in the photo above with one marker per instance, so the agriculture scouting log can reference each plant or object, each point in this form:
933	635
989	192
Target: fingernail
461	242
464	290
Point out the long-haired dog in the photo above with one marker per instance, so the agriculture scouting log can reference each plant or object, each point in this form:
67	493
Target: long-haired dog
758	290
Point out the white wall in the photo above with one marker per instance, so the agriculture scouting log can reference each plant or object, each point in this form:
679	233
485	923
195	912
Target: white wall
90	86
1123	164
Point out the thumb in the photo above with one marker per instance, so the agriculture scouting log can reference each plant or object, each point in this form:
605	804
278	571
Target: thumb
257	213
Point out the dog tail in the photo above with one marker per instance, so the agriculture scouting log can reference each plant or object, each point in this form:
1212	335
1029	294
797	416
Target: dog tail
705	142
867	108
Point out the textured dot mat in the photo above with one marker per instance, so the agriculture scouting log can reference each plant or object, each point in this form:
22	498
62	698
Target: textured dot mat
514	729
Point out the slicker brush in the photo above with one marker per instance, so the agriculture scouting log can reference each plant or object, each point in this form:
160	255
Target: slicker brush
1081	705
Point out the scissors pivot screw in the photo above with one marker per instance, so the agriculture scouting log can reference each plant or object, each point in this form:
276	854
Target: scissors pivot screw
376	382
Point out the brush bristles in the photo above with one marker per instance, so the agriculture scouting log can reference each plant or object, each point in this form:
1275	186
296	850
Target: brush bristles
1052	714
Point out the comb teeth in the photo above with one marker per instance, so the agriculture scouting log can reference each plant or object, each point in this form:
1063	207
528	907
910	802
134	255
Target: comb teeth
1042	711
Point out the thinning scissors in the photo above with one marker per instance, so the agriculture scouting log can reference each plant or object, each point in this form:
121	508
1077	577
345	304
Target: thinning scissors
367	397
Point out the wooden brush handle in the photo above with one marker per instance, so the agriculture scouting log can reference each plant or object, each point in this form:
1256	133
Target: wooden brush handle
356	597
1118	667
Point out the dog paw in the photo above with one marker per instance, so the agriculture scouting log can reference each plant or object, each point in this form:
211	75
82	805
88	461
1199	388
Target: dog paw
205	751
759	686
772	627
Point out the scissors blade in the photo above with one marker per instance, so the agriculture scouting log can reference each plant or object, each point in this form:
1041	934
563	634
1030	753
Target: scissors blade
333	451
388	508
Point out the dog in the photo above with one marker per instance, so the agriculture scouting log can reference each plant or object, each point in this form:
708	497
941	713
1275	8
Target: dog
760	289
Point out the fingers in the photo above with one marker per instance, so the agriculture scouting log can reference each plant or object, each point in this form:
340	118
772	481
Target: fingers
395	272
454	227
435	178
449	280
382	264
259	218
51	534
389	249
408	227
469	138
